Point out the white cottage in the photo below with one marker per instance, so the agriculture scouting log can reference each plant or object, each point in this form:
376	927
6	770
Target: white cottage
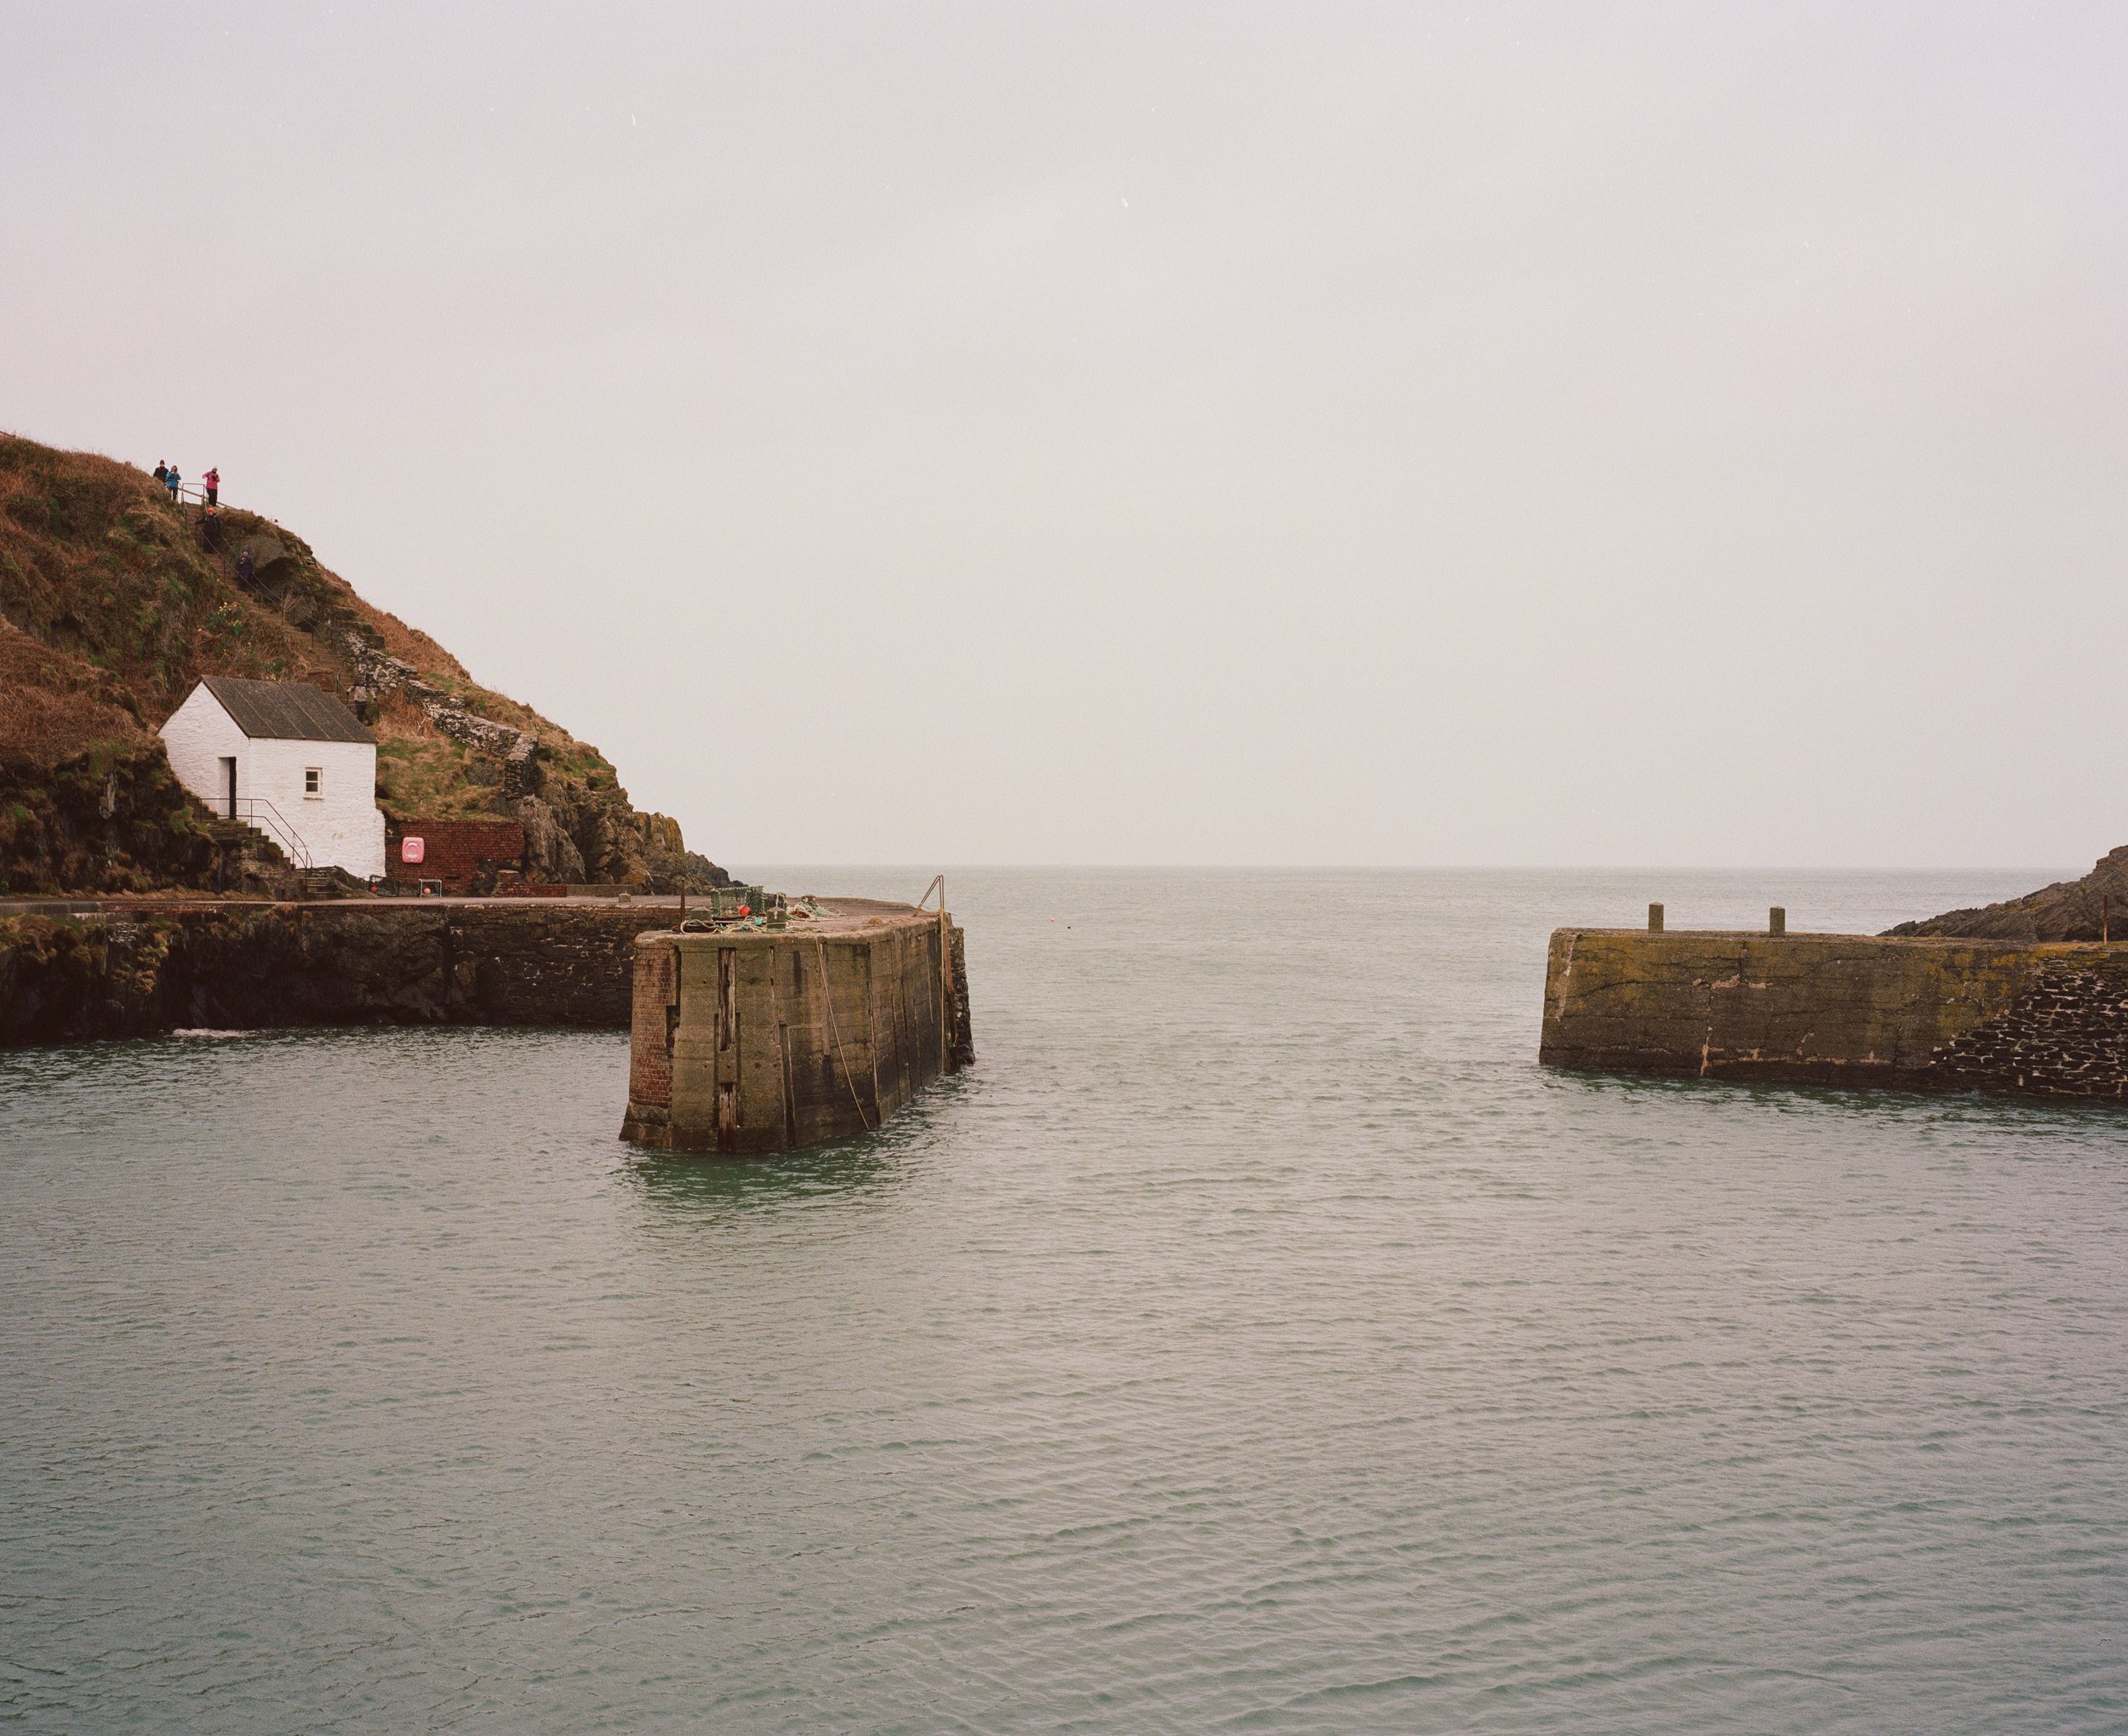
288	759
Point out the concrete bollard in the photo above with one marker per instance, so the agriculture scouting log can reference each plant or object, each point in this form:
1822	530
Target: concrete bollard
1778	921
1655	919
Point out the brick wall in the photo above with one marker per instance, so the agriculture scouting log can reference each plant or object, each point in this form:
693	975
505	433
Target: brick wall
457	852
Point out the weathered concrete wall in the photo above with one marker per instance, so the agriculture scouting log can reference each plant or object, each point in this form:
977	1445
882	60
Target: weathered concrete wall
2048	1020
749	1041
247	966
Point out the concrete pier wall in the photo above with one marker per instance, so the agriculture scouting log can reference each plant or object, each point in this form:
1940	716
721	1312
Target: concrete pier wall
2004	1018
753	1041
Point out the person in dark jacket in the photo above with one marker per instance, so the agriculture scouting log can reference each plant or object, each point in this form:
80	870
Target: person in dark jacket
244	565
162	472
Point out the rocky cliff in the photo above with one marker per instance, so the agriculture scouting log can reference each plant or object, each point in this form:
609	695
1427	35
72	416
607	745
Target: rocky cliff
113	605
2089	909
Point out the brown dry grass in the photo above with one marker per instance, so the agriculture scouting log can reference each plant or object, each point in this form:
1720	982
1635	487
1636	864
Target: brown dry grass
53	706
95	561
422	774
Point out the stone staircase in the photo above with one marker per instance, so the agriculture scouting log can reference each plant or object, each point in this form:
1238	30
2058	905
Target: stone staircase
252	859
324	882
235	837
249	858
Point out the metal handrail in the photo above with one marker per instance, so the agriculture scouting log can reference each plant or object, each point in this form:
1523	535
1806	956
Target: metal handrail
277	826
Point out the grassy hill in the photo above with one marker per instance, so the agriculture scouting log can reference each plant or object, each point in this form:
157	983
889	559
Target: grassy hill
111	608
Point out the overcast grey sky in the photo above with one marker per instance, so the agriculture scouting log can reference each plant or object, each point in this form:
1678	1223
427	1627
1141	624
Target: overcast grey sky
1567	434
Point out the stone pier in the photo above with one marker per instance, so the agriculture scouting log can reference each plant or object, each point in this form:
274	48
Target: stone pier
2006	1018
754	1041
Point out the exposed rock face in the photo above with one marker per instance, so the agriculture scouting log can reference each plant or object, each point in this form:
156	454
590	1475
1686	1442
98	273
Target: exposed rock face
377	672
2069	910
549	854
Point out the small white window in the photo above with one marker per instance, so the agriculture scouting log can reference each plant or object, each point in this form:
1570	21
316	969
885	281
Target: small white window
313	781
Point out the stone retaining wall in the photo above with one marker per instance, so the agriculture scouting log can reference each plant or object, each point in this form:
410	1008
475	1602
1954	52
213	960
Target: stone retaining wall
2004	1017
247	966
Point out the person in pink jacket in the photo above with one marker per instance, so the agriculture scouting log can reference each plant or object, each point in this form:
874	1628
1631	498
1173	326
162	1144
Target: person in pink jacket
211	482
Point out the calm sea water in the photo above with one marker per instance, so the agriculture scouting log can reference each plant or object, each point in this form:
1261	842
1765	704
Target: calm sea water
1256	1338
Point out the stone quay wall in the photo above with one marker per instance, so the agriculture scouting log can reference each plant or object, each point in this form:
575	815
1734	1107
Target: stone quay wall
146	969
2004	1018
755	1041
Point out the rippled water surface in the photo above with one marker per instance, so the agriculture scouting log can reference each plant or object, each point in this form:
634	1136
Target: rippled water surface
1257	1338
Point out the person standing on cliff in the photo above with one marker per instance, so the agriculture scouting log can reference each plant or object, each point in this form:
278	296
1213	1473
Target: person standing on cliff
211	482
162	474
244	564
171	481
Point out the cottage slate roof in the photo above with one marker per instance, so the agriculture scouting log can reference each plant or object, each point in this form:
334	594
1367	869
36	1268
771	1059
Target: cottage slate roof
285	710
